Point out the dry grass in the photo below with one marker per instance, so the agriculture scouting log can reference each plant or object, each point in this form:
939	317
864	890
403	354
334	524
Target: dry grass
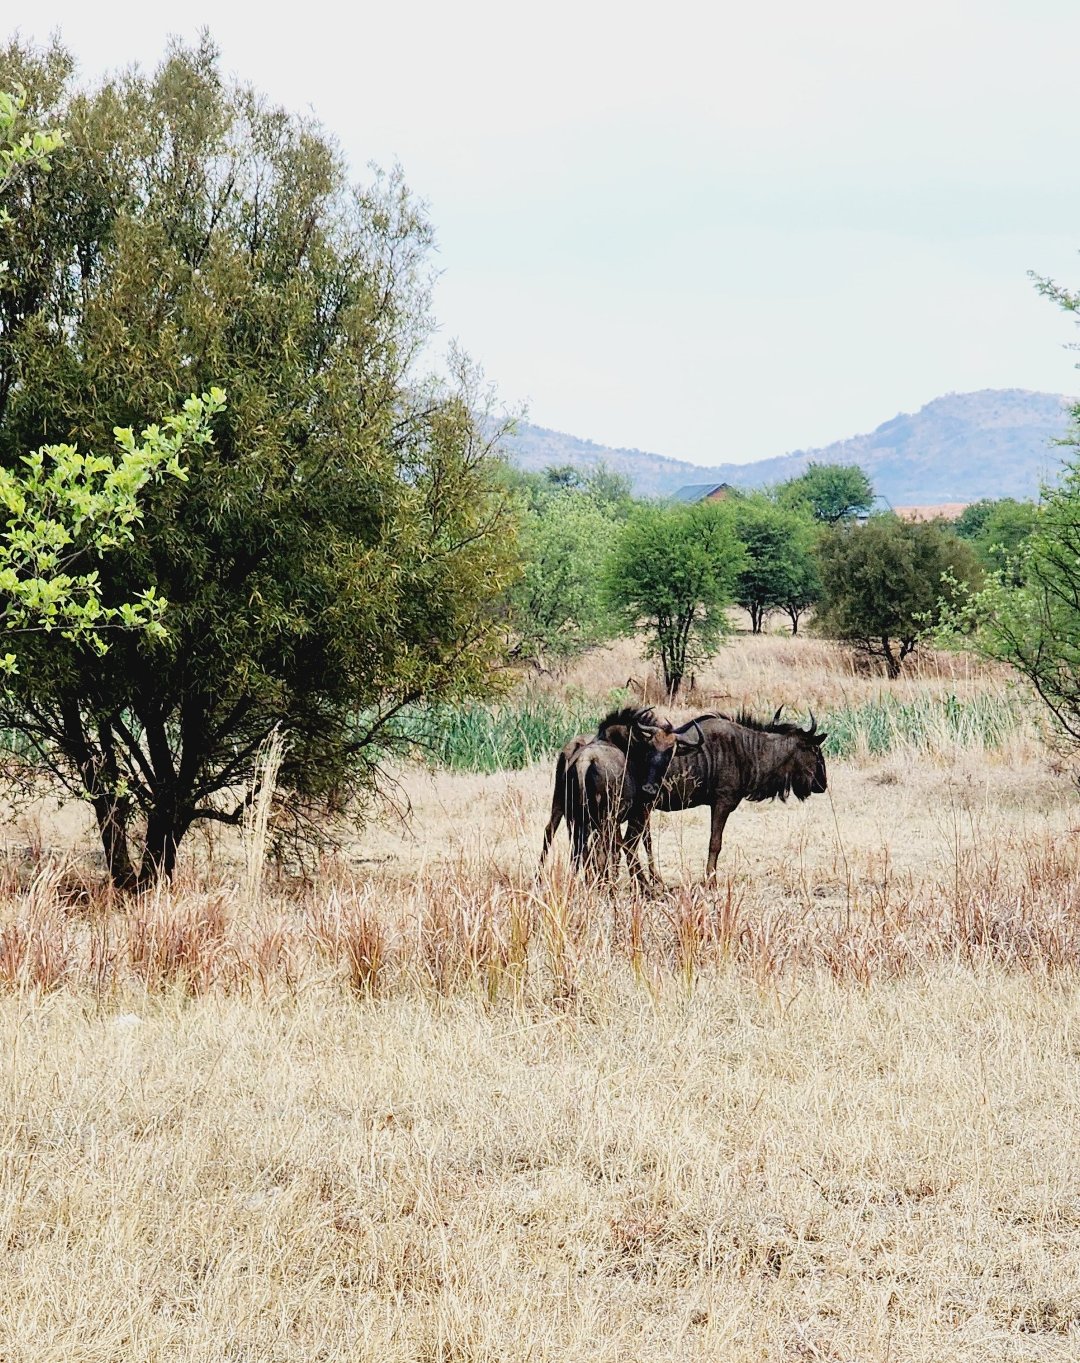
759	672
820	1173
423	1109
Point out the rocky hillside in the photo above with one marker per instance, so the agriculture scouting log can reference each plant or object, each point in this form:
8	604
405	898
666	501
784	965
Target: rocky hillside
958	448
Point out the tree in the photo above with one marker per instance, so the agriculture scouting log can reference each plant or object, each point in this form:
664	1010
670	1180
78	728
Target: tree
1028	614
803	586
672	574
338	551
996	530
779	572
64	509
557	607
829	492
1030	619
884	582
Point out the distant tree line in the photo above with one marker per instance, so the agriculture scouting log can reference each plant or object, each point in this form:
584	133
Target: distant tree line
597	563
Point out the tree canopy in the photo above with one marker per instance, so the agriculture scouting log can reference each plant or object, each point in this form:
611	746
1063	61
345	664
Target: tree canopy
672	574
883	583
339	548
996	530
829	492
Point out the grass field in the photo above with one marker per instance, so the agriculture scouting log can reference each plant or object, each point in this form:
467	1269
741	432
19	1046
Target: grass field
421	1109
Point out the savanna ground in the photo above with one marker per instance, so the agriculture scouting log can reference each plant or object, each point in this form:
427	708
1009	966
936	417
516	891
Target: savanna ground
419	1109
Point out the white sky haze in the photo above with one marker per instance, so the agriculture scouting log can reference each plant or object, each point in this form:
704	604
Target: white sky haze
716	232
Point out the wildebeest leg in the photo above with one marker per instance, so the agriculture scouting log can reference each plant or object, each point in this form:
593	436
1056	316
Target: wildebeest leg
637	826
580	851
558	806
646	834
608	843
716	837
549	833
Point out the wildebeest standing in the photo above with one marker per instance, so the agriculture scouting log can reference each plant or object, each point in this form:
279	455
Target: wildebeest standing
615	729
606	786
738	759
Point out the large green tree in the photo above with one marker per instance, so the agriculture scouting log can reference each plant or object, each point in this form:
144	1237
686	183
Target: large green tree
780	572
672	576
338	549
830	493
884	581
996	529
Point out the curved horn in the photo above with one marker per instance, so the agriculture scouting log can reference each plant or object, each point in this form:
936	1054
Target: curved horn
813	723
688	743
776	717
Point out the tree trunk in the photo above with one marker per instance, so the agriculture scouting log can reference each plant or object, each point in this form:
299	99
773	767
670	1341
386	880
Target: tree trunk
164	829
112	816
892	662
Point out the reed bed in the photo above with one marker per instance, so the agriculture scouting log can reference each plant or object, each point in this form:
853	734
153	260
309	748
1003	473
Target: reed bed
517	733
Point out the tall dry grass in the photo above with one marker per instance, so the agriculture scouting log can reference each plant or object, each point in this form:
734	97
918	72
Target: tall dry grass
423	1109
744	1173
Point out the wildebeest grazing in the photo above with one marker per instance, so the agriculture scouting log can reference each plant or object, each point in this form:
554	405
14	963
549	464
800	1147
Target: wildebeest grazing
739	759
607	785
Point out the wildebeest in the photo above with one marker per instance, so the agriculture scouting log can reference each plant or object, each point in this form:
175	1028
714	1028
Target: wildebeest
608	785
738	759
619	729
613	728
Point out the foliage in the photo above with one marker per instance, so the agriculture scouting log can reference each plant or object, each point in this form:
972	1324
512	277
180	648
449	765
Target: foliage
517	732
672	574
924	724
996	530
23	147
884	582
338	551
829	492
1028	611
64	509
557	607
1030	617
607	489
780	572
67	509
501	737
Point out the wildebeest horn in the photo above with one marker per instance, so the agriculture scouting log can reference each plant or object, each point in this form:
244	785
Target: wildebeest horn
776	717
685	742
813	724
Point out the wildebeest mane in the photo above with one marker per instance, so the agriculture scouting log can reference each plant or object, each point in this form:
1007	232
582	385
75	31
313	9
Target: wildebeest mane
767	726
628	716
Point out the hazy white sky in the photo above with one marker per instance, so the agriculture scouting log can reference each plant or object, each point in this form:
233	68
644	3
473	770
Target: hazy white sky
716	232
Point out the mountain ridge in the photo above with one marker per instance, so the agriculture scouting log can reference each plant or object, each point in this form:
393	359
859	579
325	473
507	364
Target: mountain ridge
959	447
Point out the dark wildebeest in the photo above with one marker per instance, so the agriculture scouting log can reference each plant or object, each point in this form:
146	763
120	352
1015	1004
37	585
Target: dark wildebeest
606	786
621	728
738	759
613	728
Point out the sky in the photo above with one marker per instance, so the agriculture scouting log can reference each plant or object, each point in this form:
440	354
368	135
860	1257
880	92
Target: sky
716	232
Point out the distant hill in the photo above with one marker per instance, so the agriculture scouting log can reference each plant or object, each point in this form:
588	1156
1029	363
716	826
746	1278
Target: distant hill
958	448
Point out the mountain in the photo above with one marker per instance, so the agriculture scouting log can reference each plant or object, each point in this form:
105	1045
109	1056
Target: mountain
994	443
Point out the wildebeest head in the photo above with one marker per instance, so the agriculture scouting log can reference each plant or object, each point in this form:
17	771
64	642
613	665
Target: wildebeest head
649	744
802	768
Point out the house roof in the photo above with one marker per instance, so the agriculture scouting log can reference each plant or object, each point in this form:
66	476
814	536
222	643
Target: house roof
696	492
